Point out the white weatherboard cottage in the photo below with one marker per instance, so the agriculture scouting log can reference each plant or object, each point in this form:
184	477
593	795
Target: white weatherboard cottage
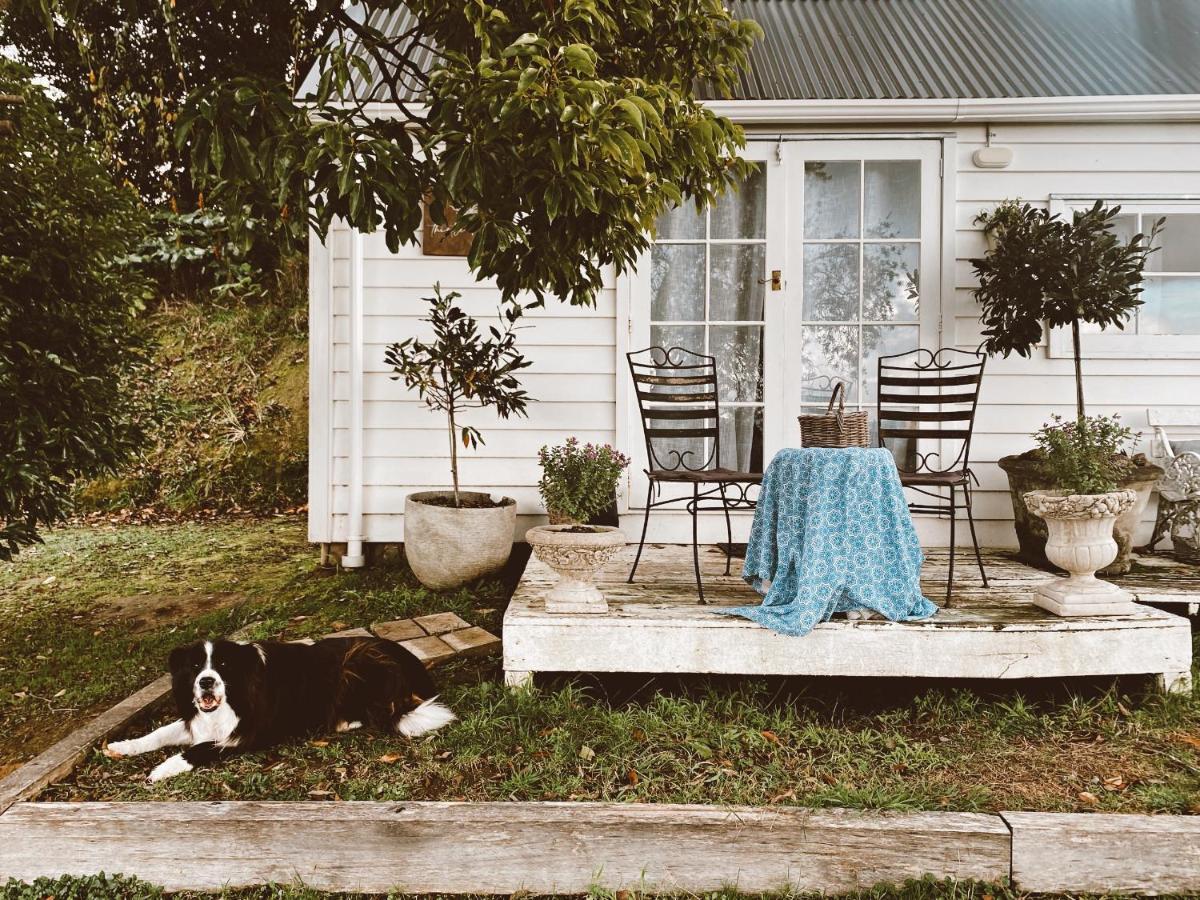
880	131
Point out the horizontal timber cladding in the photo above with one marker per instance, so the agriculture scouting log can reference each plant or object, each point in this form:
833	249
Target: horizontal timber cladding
578	373
1018	395
498	848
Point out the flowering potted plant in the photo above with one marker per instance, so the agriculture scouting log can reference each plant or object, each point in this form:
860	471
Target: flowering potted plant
578	483
1084	457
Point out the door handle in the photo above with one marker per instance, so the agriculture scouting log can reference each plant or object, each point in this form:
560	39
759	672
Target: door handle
776	280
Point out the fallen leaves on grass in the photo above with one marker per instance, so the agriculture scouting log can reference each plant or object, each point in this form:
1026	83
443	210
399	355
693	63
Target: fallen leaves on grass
586	753
389	758
1087	798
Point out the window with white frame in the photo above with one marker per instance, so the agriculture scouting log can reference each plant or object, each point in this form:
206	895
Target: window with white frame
1167	324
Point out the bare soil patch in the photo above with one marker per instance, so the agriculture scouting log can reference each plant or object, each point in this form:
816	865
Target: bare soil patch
141	613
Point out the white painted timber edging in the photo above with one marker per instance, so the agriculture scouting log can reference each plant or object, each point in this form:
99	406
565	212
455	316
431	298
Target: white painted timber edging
656	626
498	848
1105	853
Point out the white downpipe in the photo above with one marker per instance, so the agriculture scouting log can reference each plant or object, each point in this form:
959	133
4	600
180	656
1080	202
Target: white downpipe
354	557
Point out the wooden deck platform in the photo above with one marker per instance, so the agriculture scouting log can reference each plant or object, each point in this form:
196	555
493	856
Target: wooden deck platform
656	626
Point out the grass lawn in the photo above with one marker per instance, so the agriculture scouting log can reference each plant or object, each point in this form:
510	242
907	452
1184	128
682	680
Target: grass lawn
118	888
76	624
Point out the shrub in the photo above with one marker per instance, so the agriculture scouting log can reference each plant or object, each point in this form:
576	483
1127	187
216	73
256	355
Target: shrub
67	311
579	482
1087	455
1042	269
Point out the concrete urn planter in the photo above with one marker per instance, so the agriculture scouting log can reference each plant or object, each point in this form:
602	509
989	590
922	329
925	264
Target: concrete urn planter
448	546
1027	473
1080	540
576	555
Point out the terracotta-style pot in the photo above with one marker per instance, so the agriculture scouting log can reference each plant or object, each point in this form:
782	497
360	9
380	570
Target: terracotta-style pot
1080	540
448	546
576	553
1027	473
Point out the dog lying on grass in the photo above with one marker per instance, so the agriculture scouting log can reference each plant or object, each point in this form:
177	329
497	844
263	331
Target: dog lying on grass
237	698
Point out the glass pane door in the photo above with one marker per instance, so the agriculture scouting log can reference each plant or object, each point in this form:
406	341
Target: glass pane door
863	231
707	295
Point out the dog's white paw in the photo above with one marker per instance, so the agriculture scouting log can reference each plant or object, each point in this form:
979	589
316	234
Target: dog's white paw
169	768
119	749
861	615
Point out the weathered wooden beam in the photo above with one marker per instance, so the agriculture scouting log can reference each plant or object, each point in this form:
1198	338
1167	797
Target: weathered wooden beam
58	760
497	848
1054	852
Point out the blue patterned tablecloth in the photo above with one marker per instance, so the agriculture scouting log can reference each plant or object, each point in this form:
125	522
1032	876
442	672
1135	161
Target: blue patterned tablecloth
832	533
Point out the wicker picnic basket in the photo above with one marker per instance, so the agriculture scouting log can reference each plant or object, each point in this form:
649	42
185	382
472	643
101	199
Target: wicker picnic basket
835	427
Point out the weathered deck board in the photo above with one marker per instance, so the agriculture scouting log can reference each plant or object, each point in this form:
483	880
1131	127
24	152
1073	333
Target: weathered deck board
498	848
656	625
1055	852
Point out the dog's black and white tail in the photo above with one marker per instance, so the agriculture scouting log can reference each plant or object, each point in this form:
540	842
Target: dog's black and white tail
429	716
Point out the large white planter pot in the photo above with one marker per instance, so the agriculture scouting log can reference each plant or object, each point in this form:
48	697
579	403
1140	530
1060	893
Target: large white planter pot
1080	539
447	546
576	556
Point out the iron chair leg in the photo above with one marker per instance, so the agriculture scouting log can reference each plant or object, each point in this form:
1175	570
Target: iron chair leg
950	573
728	529
645	523
695	509
974	539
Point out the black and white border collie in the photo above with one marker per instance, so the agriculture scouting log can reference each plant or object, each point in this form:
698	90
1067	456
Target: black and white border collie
237	698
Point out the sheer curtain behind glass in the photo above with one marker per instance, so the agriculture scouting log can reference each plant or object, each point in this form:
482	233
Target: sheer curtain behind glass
707	294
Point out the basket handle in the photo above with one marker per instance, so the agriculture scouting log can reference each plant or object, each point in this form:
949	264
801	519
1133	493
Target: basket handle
838	396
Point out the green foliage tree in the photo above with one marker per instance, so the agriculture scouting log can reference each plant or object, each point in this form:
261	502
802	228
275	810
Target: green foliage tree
1042	269
122	69
559	131
461	369
66	310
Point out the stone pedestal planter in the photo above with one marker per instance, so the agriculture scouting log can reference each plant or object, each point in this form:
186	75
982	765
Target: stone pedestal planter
1027	473
576	553
1080	540
448	546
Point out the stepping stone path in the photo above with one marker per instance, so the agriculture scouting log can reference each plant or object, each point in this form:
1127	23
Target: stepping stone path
432	639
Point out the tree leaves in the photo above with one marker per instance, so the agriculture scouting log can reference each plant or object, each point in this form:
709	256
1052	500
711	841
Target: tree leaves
560	133
66	313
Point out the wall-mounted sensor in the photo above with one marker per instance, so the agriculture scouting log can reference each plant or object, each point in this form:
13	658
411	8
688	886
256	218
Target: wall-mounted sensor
992	157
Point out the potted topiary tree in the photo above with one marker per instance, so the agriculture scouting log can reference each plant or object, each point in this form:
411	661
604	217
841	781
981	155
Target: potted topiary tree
452	537
1043	271
1086	458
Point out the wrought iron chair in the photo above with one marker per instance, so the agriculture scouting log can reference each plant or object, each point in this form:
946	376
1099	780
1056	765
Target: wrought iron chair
681	420
932	395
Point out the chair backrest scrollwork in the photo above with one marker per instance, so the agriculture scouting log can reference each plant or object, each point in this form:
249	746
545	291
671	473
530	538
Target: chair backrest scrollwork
931	395
677	398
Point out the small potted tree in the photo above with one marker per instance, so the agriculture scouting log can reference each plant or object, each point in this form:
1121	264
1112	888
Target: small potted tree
578	483
452	537
1043	271
1086	458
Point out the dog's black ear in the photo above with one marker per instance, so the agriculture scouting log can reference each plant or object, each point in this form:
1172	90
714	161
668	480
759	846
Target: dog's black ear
178	658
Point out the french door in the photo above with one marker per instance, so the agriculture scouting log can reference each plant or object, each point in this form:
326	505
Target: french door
826	258
863	272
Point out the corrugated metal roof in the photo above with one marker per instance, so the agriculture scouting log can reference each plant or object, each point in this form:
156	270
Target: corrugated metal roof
947	49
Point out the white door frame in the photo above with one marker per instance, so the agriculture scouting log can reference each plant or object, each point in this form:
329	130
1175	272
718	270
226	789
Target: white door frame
784	156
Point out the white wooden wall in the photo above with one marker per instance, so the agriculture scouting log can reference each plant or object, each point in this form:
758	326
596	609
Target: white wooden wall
406	445
1018	394
577	353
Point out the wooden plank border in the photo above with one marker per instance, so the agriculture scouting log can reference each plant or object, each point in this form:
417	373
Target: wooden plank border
58	760
1061	852
498	848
